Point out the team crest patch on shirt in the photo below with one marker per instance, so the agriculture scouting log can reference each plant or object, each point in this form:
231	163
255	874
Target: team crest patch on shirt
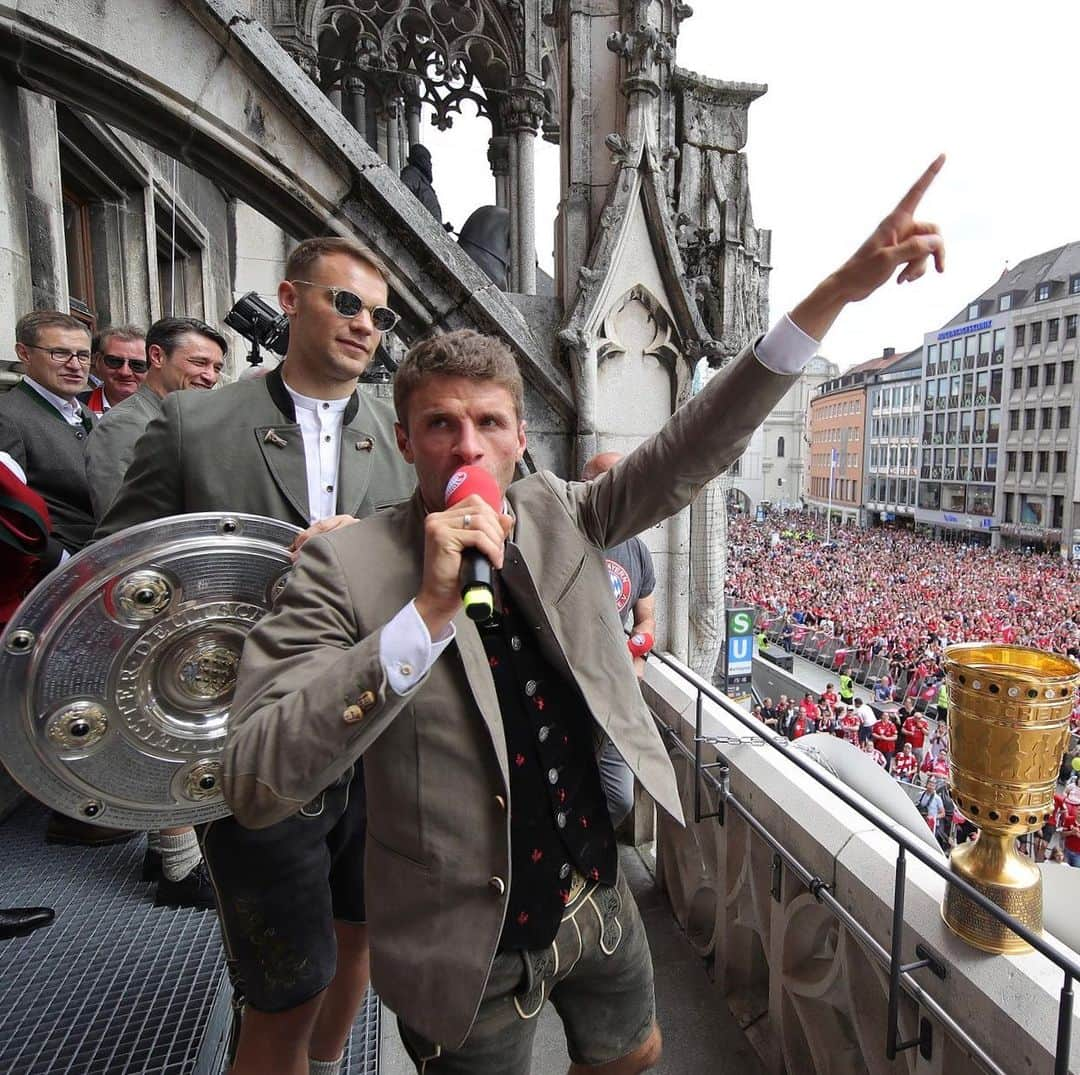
620	584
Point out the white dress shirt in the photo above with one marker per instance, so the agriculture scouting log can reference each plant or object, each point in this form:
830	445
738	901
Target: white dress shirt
70	409
407	651
320	423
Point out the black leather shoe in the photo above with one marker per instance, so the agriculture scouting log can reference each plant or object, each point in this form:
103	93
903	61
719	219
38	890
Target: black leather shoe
151	866
18	921
74	833
194	890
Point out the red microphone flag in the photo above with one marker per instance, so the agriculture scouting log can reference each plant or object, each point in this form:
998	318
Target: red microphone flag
466	481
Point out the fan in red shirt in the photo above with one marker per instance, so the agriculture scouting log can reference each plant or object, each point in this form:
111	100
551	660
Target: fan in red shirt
849	724
905	765
884	735
915	728
26	551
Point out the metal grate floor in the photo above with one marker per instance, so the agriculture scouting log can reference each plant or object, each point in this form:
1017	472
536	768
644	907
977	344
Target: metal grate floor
115	986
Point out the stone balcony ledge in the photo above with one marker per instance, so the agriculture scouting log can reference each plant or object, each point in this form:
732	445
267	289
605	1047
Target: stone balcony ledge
805	986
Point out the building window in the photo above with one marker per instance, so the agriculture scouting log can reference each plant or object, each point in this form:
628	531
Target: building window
1042	293
1036	332
973	311
1070	327
1061	462
1014	420
1025	462
735	470
1047	416
1007	515
1074	284
1004	303
1052	330
1067	372
1017	377
780	447
1043	463
1049	374
1033	377
1029	418
1058	511
1064	414
79	262
1010	462
1018	339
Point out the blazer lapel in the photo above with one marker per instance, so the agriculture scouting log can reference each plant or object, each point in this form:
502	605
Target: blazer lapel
478	673
361	443
282	448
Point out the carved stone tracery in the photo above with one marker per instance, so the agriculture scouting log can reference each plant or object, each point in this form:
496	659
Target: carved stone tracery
453	52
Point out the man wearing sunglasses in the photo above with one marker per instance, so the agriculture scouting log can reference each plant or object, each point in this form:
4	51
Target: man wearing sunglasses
181	352
118	361
303	445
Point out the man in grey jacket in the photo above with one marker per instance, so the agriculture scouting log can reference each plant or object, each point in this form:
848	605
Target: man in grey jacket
305	446
498	884
183	352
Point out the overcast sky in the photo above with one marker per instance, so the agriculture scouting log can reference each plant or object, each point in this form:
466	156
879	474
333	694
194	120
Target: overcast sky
858	105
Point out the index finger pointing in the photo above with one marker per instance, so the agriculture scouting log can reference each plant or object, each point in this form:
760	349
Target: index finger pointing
910	201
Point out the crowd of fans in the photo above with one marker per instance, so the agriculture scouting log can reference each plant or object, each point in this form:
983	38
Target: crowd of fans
904	597
897	594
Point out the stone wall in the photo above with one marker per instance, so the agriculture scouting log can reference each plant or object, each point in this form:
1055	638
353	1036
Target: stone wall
810	994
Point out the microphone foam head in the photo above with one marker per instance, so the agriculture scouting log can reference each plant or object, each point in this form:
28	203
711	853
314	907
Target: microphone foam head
467	481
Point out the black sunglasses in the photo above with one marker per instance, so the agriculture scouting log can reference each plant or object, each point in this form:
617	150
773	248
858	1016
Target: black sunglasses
116	362
349	304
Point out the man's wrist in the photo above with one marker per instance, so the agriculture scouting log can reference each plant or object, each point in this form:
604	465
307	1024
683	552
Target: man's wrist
436	618
816	313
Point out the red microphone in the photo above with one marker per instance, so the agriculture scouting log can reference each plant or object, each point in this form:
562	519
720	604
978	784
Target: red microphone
477	574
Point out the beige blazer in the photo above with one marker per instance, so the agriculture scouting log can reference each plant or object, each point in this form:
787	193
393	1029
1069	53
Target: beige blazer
312	696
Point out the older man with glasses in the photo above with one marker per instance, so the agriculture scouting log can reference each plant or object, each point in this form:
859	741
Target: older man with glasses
44	427
118	363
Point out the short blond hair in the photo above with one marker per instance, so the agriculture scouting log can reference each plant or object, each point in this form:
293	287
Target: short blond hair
308	252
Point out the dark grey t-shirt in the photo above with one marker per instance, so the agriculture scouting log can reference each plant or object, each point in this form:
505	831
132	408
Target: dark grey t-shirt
630	569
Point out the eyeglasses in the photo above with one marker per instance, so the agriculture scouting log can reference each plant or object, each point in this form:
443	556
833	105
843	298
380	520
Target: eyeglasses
117	362
62	355
349	304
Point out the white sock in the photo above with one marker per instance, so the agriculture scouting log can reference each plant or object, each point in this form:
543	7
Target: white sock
153	841
325	1067
179	855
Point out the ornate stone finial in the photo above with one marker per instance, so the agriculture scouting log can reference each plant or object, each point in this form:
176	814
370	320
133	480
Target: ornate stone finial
644	50
620	148
682	12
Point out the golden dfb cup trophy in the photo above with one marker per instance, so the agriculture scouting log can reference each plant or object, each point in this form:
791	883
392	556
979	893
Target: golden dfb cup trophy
1009	712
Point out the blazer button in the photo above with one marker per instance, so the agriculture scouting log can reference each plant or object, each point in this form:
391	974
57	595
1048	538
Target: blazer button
497	885
352	714
500	802
366	700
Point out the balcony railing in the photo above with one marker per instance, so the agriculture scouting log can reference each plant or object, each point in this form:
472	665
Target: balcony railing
824	937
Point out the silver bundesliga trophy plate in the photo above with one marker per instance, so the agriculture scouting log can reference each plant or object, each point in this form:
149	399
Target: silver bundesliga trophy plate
117	671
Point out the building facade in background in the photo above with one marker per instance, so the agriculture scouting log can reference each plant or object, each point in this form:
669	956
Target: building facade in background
893	431
998	452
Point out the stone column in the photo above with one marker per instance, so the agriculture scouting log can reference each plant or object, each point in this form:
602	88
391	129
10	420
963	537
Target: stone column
512	203
356	103
526	210
522	114
391	121
15	288
499	159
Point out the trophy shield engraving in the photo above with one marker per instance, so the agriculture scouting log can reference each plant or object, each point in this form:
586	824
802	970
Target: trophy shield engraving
118	669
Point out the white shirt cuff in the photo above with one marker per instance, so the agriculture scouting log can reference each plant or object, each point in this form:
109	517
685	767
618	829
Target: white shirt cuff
785	348
407	651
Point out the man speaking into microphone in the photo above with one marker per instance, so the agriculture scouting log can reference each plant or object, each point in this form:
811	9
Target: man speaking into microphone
498	880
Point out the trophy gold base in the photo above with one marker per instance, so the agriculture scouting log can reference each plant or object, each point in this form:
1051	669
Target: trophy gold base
992	865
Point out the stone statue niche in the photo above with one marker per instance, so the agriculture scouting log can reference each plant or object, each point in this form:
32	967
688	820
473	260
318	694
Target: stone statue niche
727	259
